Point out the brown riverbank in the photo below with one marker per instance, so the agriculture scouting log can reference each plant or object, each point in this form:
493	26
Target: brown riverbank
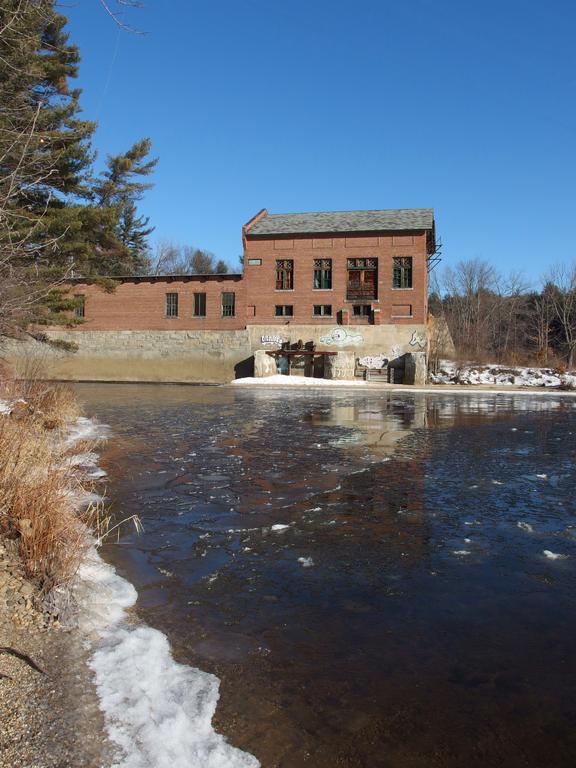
50	718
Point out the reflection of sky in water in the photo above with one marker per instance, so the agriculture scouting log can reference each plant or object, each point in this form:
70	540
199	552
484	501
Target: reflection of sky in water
401	554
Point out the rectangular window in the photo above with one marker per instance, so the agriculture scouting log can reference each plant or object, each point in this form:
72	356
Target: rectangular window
322	274
402	272
255	262
171	305
361	310
362	279
284	310
284	274
228	304
322	310
80	308
199	305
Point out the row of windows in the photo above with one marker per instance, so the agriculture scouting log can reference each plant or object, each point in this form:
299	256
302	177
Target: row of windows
362	273
227	304
323	310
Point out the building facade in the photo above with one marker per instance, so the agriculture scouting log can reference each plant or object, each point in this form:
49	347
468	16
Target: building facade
351	281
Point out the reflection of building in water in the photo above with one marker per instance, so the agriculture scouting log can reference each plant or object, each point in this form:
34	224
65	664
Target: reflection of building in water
384	502
379	423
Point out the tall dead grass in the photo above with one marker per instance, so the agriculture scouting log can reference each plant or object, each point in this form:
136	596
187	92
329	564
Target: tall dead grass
39	487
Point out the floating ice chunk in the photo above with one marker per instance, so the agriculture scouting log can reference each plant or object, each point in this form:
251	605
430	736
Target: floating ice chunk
554	555
277	527
542	477
306	562
461	552
525	526
497	482
467	541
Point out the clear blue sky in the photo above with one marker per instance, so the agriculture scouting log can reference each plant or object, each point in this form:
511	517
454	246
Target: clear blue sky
466	107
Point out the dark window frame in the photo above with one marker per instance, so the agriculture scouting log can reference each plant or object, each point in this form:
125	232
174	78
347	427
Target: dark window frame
322	313
199	304
364	310
172	302
322	280
280	310
284	274
228	309
402	272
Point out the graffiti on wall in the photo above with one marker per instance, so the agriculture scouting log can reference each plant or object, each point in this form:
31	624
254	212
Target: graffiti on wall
417	340
373	361
271	339
341	337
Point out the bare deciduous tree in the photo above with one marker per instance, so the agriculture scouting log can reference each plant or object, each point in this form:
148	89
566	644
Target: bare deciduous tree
562	296
174	259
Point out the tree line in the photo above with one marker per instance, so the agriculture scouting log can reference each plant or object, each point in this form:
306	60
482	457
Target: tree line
58	217
498	317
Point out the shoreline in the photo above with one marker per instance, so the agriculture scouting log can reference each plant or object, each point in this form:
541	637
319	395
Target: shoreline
406	389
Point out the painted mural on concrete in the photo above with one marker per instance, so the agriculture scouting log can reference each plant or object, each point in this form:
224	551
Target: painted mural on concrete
341	337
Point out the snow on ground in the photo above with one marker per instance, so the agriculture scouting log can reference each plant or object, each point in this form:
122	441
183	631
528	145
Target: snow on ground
450	372
7	406
298	381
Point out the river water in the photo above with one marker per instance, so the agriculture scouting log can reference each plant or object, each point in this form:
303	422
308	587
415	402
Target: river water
364	571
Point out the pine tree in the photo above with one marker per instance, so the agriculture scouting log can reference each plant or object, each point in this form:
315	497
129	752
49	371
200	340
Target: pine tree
45	153
118	189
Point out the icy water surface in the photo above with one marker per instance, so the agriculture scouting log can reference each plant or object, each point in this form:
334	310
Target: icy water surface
365	572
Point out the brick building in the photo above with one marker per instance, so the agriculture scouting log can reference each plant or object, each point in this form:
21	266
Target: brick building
352	281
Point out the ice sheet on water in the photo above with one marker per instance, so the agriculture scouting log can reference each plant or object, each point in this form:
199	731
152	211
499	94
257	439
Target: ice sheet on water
554	555
525	526
157	712
306	562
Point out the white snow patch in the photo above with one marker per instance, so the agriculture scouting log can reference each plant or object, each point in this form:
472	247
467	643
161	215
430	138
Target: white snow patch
554	555
297	381
450	372
279	527
306	562
461	552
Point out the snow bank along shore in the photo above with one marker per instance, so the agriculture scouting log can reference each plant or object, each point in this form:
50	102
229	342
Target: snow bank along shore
450	372
158	713
296	381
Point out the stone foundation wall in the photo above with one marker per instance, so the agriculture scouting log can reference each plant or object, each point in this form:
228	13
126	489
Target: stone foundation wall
210	357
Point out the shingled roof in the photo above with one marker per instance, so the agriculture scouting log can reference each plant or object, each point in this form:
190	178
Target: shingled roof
341	221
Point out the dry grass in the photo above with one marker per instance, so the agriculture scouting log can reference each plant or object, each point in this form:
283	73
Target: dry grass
38	486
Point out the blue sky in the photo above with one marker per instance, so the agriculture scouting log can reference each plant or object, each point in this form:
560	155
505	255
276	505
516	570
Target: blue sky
465	107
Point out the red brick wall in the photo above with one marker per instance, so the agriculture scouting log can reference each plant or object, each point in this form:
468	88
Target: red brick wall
261	280
140	304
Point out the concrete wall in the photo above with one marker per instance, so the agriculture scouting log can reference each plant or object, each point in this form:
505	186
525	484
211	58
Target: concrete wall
211	357
196	356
